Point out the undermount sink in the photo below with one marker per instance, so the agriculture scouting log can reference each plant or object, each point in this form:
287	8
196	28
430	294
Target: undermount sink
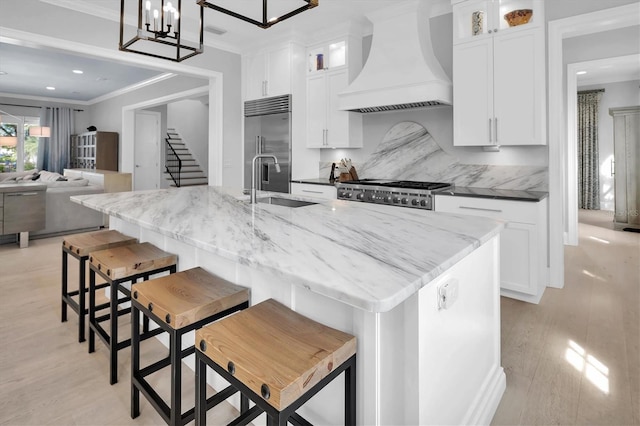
285	202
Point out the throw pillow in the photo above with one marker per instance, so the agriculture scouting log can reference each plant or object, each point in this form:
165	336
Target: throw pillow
46	176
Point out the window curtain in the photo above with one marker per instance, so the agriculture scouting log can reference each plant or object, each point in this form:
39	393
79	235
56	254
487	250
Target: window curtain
588	159
53	152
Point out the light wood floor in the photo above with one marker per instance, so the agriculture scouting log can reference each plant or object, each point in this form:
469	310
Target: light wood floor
572	359
575	358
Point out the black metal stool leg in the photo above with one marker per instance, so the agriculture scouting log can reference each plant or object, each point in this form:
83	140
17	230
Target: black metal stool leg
175	346
145	319
82	288
135	360
92	310
63	314
113	335
201	391
350	393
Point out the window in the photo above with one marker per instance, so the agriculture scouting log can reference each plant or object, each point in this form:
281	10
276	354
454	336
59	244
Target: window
18	150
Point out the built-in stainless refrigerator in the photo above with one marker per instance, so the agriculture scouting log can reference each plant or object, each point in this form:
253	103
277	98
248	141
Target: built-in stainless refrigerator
267	130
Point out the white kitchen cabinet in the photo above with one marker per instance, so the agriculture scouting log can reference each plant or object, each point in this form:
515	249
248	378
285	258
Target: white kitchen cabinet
327	126
327	192
523	242
329	56
498	79
268	73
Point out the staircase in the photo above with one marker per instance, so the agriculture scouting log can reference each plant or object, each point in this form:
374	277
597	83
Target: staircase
190	173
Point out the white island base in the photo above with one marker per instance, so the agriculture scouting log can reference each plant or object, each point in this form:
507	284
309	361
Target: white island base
416	364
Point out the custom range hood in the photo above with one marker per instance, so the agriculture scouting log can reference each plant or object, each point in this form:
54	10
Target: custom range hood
401	72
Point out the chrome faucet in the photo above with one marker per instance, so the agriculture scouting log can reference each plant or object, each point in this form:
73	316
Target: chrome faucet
253	173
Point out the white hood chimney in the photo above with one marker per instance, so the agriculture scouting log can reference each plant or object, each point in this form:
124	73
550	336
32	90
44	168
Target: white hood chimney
401	72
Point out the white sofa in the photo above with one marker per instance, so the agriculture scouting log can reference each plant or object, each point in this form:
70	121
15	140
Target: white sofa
63	215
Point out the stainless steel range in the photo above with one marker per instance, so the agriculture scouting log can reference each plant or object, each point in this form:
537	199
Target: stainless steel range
404	193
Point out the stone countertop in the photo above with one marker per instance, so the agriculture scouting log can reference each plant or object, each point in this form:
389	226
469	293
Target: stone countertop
19	187
316	181
498	194
371	257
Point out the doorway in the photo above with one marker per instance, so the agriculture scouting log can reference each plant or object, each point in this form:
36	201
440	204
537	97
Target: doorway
559	157
146	174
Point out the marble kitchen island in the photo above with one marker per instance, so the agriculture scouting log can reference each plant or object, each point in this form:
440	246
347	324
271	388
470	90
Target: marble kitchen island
377	272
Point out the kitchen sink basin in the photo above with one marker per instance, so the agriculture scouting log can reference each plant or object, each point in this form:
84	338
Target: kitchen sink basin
285	202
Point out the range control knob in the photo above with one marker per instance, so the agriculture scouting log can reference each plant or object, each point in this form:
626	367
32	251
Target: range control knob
414	202
387	199
396	200
360	196
423	203
349	195
405	201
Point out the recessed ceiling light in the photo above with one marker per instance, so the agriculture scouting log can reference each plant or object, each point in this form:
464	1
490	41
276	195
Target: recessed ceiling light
51	88
78	72
581	73
3	73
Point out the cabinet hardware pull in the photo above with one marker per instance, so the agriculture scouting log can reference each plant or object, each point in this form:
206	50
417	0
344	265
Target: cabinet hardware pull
490	134
495	124
312	192
479	208
613	167
20	194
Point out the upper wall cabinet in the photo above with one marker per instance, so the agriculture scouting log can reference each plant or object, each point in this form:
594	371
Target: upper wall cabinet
330	56
499	85
331	67
473	19
268	73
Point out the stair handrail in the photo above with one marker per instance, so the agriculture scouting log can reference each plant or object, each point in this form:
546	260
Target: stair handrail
174	170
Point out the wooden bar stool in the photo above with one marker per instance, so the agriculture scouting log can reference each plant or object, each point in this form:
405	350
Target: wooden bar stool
118	266
278	359
178	303
79	246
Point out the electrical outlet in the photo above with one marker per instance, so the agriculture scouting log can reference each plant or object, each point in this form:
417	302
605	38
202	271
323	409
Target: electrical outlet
448	293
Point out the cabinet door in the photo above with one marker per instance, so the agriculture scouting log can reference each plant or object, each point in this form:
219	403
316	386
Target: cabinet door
518	89
255	76
278	78
473	93
519	258
316	111
337	121
24	211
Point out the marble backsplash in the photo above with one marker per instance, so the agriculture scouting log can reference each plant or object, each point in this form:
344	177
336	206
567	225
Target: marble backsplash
409	152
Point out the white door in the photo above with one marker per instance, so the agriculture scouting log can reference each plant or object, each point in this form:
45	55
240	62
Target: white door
146	174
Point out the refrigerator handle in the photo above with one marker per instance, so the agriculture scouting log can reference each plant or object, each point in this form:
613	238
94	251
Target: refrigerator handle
258	145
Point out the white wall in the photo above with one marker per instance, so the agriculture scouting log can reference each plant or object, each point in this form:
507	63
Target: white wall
190	119
557	9
621	94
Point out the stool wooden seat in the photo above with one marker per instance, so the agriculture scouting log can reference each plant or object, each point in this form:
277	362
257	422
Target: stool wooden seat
79	246
277	358
178	303
117	266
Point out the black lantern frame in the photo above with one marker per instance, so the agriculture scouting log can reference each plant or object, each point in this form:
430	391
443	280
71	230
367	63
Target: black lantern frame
165	35
266	22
